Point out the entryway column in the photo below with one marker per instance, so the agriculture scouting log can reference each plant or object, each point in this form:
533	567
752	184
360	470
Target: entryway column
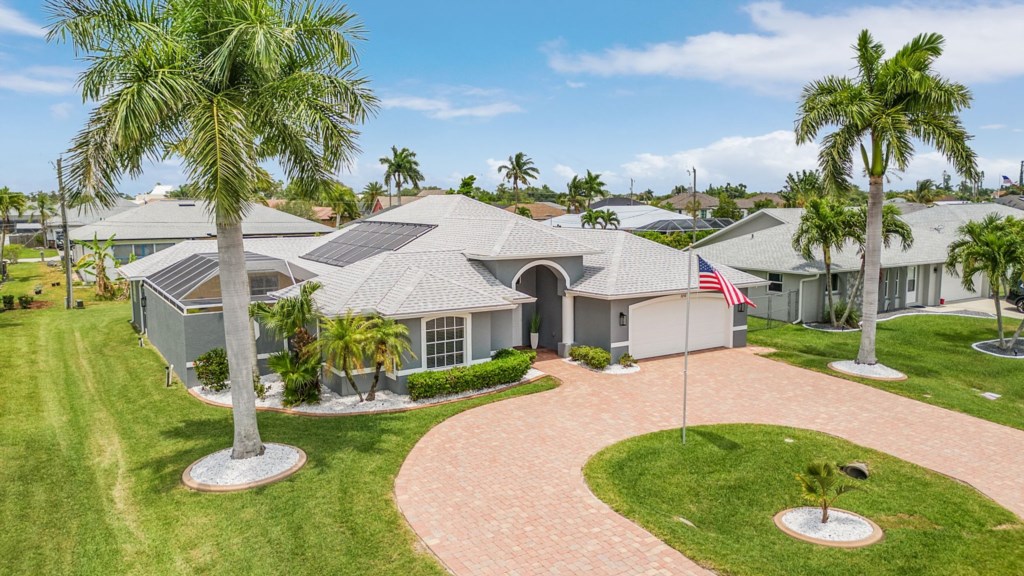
568	323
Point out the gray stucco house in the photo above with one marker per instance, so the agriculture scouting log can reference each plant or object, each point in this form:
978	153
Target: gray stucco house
762	245
463	276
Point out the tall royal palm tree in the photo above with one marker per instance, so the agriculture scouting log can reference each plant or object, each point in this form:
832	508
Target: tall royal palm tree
46	209
879	113
401	167
371	192
993	247
826	225
225	85
893	229
10	203
519	170
343	341
593	187
801	187
387	342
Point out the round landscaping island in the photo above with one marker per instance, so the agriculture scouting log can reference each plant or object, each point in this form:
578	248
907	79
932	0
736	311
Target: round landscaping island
217	472
844	529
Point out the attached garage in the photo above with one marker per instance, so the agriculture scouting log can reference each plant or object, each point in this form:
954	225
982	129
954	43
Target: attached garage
657	326
952	288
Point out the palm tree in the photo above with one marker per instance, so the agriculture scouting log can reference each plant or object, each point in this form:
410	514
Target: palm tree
590	218
401	168
94	260
524	212
342	200
371	192
800	187
993	247
593	187
923	193
299	375
822	484
519	170
225	85
291	318
9	202
575	199
893	229
608	218
343	341
826	225
387	342
46	208
879	113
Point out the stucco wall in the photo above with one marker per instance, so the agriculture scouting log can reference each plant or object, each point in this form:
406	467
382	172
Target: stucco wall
592	325
506	270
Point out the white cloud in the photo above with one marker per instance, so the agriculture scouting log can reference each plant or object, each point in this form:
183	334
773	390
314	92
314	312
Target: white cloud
788	48
39	79
492	170
444	109
12	21
575	85
993	127
564	172
60	110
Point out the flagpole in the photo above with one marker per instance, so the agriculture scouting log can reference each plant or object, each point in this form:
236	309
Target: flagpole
689	296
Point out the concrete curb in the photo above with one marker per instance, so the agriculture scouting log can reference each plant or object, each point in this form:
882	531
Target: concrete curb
192	484
876	532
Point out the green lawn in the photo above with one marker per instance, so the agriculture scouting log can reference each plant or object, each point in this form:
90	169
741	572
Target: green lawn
92	447
933	351
25	276
730	480
32	254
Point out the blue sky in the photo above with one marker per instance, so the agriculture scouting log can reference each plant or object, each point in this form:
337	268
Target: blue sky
638	90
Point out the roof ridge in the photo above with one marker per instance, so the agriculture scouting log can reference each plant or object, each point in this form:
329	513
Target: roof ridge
401	295
461	285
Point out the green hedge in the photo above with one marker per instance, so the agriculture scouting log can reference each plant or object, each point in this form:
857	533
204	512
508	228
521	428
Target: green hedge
596	358
508	366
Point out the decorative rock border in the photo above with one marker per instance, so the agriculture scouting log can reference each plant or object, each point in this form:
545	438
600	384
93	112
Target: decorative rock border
977	346
192	483
876	531
870	372
613	369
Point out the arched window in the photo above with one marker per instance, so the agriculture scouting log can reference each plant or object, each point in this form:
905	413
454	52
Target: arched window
445	338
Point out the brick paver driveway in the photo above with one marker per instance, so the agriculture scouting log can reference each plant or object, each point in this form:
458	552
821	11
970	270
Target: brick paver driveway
499	489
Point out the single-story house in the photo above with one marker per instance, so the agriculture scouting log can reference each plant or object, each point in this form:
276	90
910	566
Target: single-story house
324	214
1011	200
540	211
159	193
612	201
77	217
708	203
630	217
762	245
684	226
386	202
464	277
153	227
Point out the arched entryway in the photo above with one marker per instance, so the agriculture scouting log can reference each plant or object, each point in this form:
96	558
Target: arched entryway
546	281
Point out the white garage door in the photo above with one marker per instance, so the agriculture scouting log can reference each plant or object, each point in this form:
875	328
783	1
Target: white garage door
656	327
953	289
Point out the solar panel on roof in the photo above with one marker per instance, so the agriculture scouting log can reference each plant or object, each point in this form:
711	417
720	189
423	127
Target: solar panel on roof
365	240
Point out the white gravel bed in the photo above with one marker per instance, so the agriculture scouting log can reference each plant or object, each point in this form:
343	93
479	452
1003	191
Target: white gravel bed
218	469
841	526
333	403
613	369
878	371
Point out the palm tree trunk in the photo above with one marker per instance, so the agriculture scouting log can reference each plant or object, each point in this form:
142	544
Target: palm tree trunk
372	394
3	236
515	189
828	286
398	188
999	318
872	269
824	513
1016	336
852	294
352	383
337	219
241	349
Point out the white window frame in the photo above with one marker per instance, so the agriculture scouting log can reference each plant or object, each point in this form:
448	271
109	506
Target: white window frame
262	274
768	288
467	341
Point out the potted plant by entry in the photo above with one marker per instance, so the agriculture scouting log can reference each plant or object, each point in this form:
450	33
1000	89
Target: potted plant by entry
534	330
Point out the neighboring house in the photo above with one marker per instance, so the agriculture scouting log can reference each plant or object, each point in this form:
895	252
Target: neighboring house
77	217
630	217
763	245
153	227
708	203
746	205
615	201
324	214
464	277
688	225
540	211
159	193
1013	201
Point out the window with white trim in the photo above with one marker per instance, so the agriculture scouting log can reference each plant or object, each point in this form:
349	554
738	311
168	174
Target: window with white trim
445	338
260	284
775	282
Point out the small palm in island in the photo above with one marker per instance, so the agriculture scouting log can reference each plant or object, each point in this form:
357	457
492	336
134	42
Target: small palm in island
822	485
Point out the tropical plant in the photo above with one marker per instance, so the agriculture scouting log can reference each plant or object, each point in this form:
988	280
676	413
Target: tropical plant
387	342
10	202
290	317
627	360
371	192
800	187
993	247
342	200
590	218
94	260
535	323
762	204
879	112
893	229
519	170
343	341
299	375
401	168
225	86
467	186
608	217
12	252
299	207
924	192
212	369
593	187
826	225
45	209
524	212
575	200
822	484
727	208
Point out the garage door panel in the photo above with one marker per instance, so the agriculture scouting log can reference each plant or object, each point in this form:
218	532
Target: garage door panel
658	328
953	288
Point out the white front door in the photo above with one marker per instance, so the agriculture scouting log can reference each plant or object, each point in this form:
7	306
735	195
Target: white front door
911	285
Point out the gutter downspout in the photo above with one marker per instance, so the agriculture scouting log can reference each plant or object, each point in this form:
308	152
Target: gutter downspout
800	299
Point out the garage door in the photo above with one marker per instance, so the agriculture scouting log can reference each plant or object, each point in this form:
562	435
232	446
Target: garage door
952	288
656	327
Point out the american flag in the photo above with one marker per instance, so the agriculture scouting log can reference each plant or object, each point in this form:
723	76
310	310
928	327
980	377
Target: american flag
1008	182
711	279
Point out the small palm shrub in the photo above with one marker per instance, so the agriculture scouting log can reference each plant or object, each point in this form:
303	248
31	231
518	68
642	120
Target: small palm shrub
592	356
627	360
212	369
843	308
822	484
300	377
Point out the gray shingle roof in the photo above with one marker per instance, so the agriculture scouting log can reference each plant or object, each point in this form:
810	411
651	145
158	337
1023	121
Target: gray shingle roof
173	220
289	249
771	249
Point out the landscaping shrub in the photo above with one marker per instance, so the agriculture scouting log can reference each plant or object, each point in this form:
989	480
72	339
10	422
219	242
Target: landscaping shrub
25	302
507	352
508	366
627	360
852	319
592	356
12	252
300	377
212	369
8	300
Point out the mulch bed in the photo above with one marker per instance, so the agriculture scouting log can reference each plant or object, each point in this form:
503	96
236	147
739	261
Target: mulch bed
992	347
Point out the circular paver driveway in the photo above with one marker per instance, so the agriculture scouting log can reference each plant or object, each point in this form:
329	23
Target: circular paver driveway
499	489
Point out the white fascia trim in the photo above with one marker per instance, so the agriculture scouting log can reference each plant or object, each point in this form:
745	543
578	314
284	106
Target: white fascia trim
454	312
739	328
531	256
620	344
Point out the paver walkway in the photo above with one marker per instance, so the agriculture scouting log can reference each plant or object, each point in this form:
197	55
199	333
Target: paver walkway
499	489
